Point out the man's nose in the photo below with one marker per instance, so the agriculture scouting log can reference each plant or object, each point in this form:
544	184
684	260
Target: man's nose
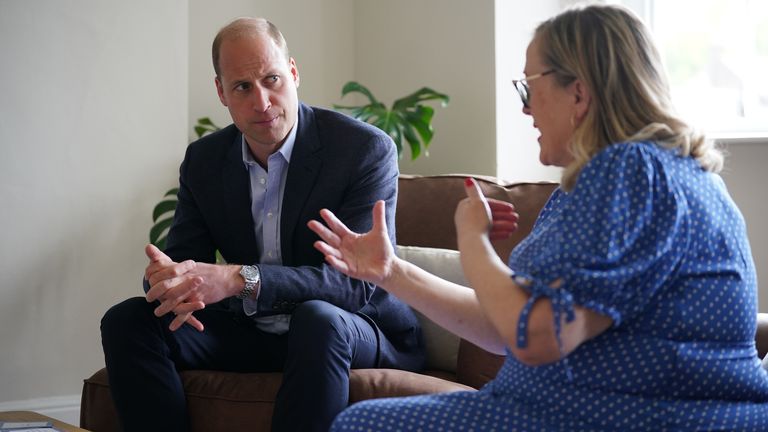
261	102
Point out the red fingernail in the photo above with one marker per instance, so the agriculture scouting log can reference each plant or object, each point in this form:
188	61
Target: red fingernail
468	181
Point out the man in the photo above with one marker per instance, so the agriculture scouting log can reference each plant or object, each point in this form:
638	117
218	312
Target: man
249	191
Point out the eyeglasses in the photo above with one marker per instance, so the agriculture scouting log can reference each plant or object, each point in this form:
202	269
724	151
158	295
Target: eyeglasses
521	86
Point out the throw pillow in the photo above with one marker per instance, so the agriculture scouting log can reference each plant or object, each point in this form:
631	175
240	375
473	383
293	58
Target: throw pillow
442	346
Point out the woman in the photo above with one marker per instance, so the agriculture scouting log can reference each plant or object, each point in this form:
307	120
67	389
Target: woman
631	305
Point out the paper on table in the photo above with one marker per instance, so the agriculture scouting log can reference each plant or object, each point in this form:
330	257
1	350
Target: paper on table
30	429
29	426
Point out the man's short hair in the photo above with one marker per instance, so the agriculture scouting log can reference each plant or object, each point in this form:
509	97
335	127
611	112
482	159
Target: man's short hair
247	26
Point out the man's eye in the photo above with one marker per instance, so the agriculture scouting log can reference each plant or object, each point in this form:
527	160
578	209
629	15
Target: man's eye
242	87
272	79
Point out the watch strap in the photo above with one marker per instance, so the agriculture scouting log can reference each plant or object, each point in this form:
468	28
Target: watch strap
252	277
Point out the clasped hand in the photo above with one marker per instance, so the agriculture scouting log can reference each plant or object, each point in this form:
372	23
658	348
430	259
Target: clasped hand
185	287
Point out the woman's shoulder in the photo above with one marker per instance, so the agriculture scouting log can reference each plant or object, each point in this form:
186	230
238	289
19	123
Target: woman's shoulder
633	150
627	167
629	157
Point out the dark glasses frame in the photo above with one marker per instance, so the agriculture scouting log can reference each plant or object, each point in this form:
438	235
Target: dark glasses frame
521	86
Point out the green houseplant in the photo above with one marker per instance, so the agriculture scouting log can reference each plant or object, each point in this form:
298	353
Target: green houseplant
408	120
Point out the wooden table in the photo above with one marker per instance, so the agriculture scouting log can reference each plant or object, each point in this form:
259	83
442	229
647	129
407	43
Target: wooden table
33	416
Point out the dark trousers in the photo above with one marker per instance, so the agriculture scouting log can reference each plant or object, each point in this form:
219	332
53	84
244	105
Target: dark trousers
142	358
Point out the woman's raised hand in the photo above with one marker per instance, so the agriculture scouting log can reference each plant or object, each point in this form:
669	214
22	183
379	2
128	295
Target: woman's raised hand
478	215
368	256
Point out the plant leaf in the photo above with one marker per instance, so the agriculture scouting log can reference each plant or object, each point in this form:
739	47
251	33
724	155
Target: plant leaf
412	139
159	228
421	120
162	208
355	87
173	192
205	125
407	120
389	123
397	137
160	243
421	95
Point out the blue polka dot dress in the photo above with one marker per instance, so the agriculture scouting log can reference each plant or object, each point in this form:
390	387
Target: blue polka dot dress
653	241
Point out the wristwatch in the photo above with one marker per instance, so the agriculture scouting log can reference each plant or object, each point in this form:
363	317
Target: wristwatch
252	278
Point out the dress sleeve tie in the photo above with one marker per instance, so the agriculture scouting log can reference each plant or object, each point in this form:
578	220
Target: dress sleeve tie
562	303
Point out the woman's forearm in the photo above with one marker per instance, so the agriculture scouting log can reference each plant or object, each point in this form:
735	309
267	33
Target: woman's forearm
449	305
502	300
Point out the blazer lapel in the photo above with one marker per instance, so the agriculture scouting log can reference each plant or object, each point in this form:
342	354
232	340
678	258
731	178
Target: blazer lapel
304	167
237	199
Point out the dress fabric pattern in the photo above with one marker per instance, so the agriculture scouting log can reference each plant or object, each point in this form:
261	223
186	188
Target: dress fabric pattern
650	239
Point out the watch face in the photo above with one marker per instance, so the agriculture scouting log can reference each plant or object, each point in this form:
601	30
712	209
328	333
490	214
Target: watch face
249	272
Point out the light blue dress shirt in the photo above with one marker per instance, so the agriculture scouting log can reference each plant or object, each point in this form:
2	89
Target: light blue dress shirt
267	187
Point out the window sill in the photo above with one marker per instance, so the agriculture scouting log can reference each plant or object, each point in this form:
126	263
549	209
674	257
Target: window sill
734	138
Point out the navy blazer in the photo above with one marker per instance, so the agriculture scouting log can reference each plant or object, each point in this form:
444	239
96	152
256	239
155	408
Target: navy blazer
337	163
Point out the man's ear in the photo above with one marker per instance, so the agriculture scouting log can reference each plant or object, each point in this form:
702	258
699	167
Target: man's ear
582	98
220	91
294	71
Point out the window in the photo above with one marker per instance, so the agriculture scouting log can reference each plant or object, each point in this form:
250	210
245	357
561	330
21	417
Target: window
716	55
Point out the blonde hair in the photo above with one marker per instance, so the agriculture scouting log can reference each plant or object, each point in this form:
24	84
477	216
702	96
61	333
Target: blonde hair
246	26
611	51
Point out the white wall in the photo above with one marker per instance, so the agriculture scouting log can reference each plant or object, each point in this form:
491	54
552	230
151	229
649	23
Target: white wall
746	176
403	45
517	148
92	122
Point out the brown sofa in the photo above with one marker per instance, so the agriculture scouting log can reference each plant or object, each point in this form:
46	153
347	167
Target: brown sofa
223	401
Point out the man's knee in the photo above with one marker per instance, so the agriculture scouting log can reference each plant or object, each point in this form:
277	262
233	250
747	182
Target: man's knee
318	321
316	312
125	315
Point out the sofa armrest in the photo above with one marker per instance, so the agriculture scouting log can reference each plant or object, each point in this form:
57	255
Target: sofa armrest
761	337
476	366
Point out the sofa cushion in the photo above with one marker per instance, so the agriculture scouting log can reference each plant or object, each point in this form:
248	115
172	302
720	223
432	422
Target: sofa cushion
230	401
425	207
445	351
442	346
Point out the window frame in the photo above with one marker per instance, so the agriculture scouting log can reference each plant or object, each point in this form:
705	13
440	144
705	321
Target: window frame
754	132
